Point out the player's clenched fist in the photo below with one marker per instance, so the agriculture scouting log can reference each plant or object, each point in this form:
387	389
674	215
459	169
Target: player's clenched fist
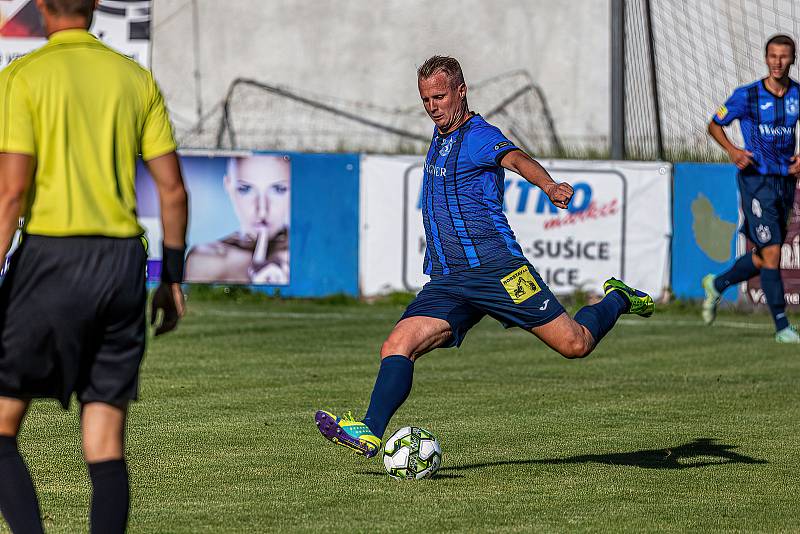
560	194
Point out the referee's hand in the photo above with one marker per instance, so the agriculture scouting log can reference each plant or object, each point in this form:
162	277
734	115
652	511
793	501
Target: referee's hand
168	299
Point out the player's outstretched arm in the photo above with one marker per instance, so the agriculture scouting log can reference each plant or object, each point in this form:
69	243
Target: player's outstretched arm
168	298
741	158
527	167
16	174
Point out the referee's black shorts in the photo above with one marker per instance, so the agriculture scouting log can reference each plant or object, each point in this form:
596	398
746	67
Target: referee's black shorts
72	319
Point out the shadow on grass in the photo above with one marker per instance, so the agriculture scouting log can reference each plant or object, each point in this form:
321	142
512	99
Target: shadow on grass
438	475
701	452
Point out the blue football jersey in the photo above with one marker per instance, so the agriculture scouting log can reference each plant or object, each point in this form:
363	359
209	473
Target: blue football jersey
462	199
768	124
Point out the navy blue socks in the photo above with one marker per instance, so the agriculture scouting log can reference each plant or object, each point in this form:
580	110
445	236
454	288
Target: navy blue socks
391	389
743	269
110	497
600	318
772	284
18	500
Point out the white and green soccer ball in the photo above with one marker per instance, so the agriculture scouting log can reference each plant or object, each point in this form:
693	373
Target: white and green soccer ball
412	453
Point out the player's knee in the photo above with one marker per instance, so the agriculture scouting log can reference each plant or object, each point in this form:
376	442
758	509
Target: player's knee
575	346
392	347
102	448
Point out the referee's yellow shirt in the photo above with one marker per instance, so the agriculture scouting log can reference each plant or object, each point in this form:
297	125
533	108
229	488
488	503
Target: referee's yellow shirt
85	112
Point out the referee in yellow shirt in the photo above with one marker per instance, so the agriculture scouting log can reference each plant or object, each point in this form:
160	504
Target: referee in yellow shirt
74	116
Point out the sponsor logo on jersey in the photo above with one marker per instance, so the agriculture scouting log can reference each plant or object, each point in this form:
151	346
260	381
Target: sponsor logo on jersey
433	170
763	233
722	112
765	106
768	129
498	146
755	207
520	285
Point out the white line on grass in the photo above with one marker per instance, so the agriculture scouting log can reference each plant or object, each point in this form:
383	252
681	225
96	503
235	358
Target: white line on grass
698	323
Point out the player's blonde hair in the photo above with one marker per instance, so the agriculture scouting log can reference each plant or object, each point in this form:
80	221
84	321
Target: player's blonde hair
446	64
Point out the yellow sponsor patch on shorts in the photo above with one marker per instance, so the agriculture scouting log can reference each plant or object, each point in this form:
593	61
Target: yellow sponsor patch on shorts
521	285
722	112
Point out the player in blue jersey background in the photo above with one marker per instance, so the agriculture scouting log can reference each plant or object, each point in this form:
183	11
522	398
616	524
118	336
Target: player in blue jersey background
767	111
476	266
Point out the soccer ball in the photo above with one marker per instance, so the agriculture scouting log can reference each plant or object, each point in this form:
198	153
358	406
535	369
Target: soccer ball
412	453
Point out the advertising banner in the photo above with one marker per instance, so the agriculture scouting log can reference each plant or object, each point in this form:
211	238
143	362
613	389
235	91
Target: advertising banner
282	223
618	224
706	222
240	213
122	24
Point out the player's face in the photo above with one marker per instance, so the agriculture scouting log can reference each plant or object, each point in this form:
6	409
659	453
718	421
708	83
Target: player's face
443	102
779	59
260	195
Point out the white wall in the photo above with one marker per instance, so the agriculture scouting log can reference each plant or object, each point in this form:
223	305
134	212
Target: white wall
367	51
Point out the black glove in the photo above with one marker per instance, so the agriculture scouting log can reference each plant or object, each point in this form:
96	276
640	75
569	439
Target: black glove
164	300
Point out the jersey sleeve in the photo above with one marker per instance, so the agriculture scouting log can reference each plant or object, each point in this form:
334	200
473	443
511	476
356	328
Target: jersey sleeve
488	145
157	136
16	117
733	108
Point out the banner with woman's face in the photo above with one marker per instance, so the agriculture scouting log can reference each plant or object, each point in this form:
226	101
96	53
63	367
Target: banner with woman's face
239	221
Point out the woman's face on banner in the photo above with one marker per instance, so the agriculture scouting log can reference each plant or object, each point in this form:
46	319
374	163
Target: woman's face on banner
259	192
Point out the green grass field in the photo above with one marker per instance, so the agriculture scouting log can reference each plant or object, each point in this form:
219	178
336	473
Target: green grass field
669	426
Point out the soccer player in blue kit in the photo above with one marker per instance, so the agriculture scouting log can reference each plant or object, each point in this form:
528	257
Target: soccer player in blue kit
475	264
767	110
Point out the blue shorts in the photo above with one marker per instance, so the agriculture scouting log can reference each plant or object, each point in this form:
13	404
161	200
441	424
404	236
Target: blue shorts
767	202
510	291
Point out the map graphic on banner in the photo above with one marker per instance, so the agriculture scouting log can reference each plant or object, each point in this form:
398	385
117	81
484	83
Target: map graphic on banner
122	24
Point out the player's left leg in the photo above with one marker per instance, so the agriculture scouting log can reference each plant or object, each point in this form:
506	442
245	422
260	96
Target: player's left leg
776	207
18	501
577	338
103	433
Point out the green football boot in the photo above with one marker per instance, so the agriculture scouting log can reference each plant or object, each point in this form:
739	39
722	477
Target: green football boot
348	432
712	299
640	302
787	335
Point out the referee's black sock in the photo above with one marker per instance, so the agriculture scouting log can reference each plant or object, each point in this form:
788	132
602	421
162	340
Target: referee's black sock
18	500
110	496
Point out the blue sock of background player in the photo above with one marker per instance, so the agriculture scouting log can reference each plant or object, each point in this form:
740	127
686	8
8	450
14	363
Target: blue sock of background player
600	318
772	284
18	500
391	389
742	270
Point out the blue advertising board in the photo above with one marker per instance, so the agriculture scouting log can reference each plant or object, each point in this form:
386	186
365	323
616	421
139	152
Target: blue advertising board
705	219
277	222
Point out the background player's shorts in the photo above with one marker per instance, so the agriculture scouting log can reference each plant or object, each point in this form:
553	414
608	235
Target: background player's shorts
767	202
72	319
510	291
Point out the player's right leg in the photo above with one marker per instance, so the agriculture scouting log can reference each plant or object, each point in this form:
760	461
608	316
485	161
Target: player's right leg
18	501
438	317
745	268
411	337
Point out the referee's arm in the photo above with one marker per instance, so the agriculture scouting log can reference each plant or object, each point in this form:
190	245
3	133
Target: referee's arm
168	298
16	174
